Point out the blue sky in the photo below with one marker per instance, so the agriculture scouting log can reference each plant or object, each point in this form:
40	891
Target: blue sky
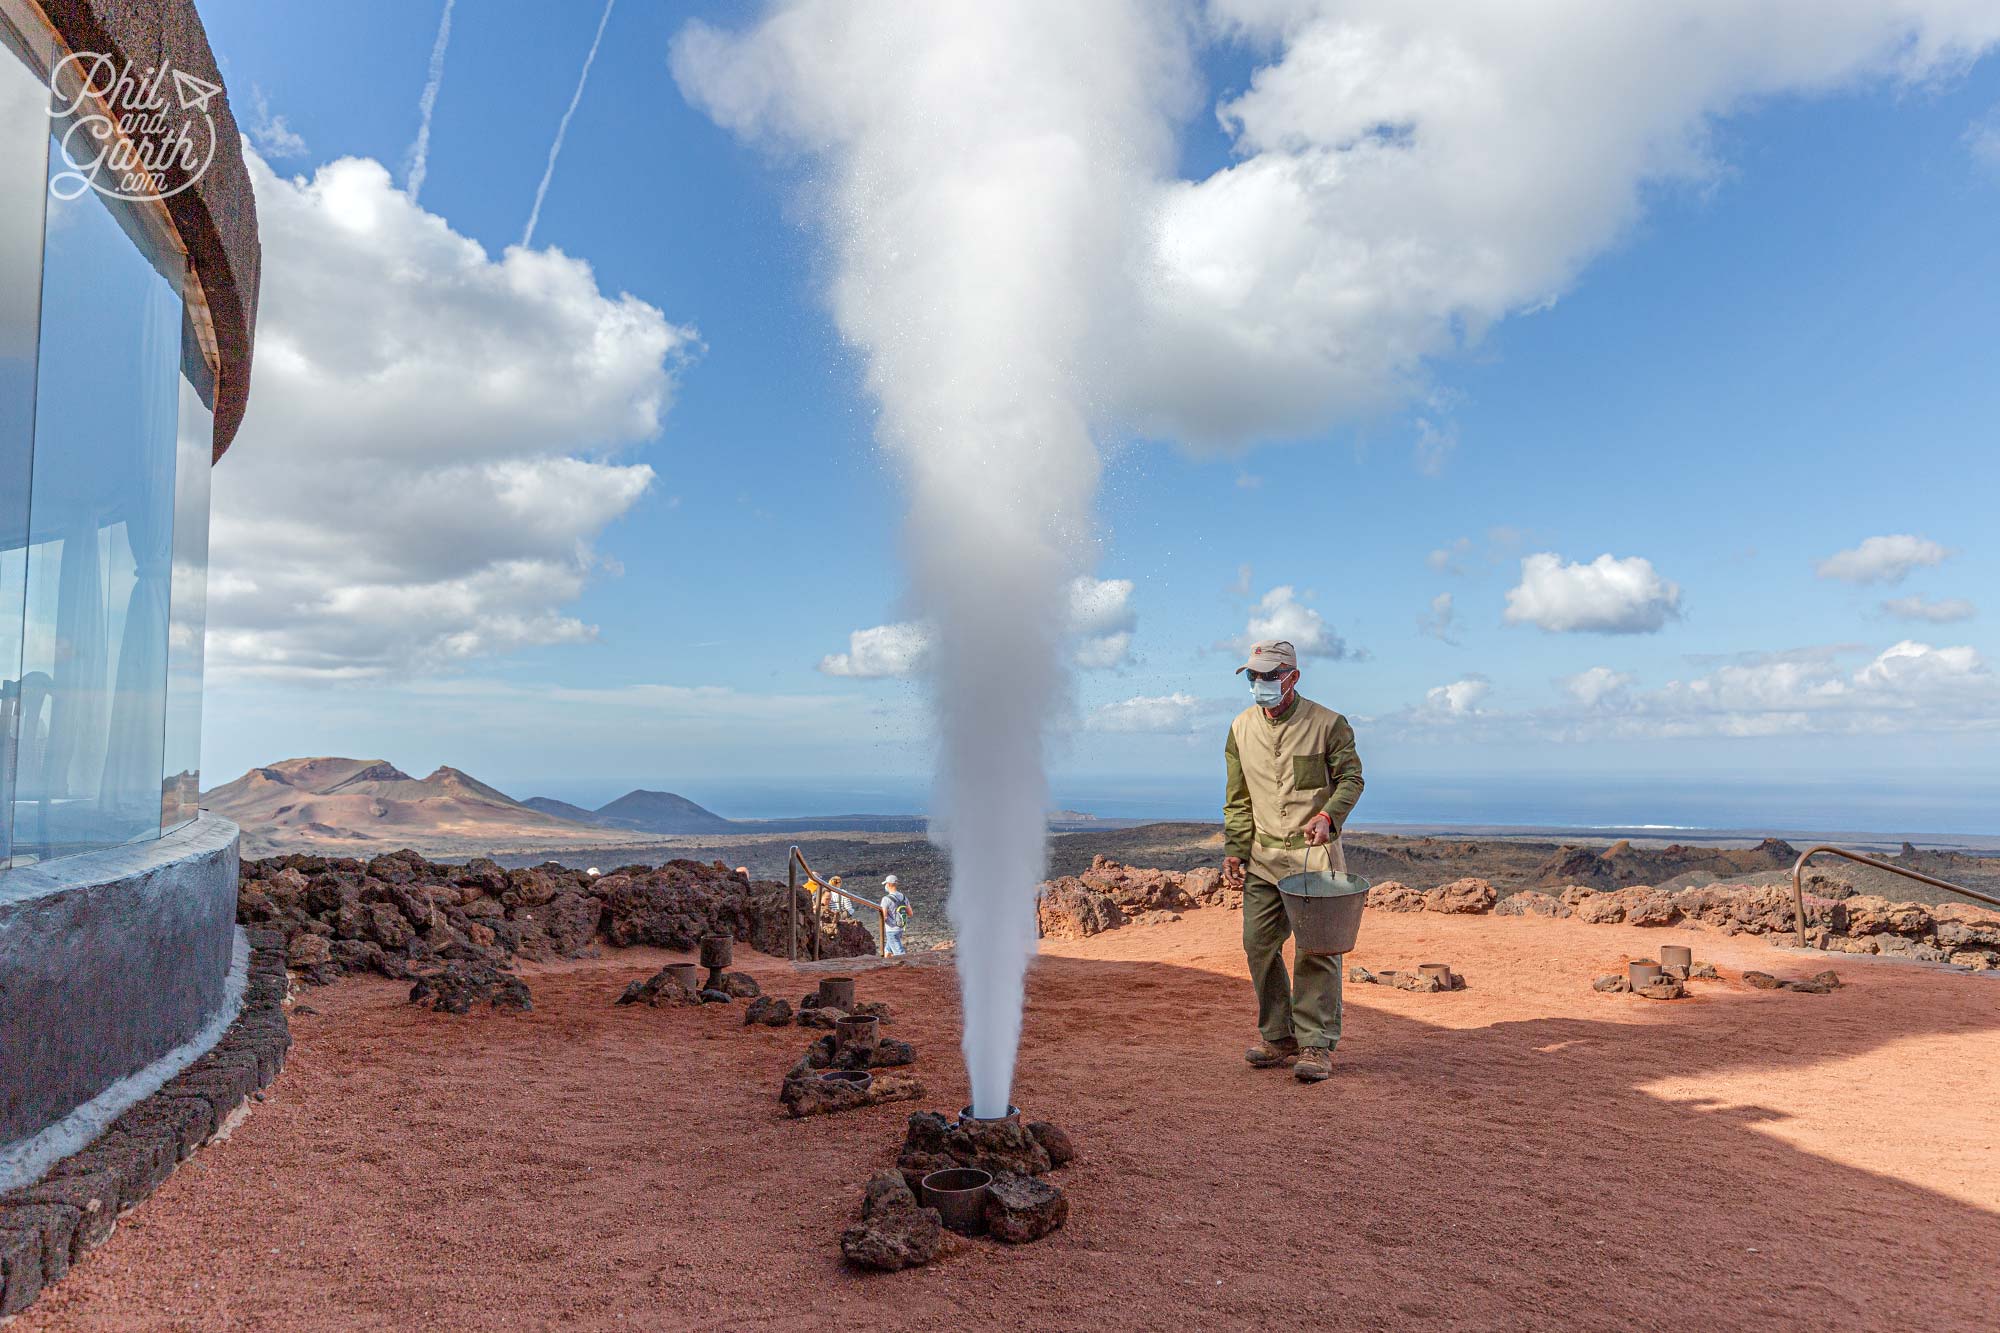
1783	353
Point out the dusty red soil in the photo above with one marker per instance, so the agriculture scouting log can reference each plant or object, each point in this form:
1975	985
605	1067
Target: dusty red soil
1522	1154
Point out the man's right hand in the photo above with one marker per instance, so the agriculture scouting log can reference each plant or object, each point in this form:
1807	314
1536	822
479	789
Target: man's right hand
1232	872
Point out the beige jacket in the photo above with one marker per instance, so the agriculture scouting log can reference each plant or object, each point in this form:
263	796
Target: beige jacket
1282	772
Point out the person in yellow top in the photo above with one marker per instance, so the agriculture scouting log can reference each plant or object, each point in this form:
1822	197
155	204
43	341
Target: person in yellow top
1293	777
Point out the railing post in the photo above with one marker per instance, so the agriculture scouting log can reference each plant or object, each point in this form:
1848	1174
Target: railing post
792	899
1799	894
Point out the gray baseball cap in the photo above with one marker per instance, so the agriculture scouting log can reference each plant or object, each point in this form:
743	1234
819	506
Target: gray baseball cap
1270	655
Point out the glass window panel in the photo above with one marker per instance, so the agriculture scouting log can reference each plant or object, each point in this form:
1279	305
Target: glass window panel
180	781
100	545
24	152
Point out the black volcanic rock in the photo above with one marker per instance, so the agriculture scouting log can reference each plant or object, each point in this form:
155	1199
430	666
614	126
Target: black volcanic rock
1622	865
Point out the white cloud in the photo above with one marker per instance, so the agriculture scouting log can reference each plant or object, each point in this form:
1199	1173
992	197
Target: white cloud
1882	559
1402	175
1408	174
1598	686
1279	614
1101	624
1449	559
1164	714
273	137
1908	687
424	468
1982	140
1941	612
1436	442
1441	623
1911	666
885	652
1606	596
1460	699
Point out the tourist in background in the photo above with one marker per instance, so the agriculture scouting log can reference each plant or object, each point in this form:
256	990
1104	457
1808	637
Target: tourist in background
895	911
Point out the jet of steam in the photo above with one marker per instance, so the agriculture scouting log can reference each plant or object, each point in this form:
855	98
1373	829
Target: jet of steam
1020	262
982	159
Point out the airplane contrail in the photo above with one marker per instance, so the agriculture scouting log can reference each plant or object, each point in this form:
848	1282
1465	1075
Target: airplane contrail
420	152
548	172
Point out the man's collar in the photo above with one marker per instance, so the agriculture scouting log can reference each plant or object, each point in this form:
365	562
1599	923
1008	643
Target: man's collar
1282	713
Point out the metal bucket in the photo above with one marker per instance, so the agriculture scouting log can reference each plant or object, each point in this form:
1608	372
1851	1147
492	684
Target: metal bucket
1324	907
858	1032
959	1195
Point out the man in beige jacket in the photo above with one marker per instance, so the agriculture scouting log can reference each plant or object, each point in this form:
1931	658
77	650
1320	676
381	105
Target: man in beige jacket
1293	778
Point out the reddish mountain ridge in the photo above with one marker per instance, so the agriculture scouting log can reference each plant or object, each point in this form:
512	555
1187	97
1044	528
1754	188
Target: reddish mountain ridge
362	806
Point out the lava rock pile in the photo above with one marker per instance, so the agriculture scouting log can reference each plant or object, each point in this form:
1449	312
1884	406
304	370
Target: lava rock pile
458	986
665	989
897	1231
850	1048
1110	895
1820	983
405	917
1423	981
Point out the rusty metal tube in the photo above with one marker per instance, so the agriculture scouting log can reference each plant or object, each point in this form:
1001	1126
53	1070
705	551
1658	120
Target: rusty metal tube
1799	887
795	861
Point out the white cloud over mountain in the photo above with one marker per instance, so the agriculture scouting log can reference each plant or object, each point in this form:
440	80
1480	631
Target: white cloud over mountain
1882	559
1606	596
427	460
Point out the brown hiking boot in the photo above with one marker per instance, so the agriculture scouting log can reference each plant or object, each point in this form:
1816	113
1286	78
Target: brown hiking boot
1315	1063
1272	1054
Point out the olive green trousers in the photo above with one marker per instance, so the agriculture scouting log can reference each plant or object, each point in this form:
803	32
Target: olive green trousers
1305	1005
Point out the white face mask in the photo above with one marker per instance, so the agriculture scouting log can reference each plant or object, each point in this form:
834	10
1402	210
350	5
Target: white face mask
1267	693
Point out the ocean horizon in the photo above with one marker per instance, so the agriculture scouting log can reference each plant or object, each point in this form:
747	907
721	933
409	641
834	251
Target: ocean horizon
1914	807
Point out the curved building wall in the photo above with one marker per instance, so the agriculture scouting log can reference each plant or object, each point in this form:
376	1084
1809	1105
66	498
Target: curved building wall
125	335
110	419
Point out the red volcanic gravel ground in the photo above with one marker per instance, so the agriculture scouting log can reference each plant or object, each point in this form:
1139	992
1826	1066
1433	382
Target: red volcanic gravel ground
1522	1154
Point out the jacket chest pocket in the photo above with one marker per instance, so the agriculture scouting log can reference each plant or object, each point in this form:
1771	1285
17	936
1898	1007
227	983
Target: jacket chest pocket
1308	771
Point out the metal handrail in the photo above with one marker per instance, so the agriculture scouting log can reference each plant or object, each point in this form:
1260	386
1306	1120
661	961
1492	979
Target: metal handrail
795	861
1799	889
